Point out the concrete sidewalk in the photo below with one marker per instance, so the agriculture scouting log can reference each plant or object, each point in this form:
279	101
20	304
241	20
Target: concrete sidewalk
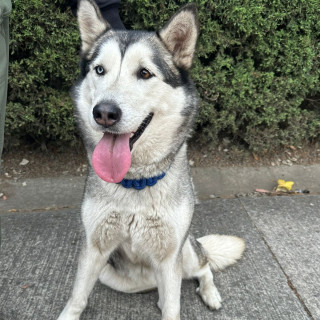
66	192
278	277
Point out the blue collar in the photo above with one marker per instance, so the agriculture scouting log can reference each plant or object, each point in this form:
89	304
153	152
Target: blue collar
141	183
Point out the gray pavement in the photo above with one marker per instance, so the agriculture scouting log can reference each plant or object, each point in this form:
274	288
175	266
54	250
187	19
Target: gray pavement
278	277
66	192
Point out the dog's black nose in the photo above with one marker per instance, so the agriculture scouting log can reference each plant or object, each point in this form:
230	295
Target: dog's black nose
106	114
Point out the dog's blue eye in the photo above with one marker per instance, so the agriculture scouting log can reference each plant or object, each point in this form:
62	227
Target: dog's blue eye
144	74
99	70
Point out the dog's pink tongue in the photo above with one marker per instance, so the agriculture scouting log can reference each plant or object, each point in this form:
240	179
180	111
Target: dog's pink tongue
111	159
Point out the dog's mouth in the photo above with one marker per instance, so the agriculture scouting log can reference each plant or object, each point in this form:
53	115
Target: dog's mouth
111	158
139	132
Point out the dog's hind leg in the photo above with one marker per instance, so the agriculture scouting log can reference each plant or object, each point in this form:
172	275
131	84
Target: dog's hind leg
196	265
140	279
123	275
199	256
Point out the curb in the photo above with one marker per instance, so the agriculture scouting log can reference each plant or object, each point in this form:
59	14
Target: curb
66	192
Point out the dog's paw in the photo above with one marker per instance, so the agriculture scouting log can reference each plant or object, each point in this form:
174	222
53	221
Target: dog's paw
68	314
66	317
210	296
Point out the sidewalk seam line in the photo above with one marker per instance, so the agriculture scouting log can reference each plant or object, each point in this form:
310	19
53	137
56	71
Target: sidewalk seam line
290	284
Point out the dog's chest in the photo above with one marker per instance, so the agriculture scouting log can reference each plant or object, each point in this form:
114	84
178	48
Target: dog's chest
140	234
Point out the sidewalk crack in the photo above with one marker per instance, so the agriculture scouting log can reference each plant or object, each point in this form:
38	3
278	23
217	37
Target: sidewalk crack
290	284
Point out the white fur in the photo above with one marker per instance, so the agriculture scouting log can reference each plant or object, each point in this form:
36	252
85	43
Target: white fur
147	229
91	23
222	251
120	84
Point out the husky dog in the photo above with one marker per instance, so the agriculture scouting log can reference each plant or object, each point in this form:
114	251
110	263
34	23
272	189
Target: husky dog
135	107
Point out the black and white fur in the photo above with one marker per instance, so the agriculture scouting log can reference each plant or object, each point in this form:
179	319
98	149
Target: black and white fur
139	240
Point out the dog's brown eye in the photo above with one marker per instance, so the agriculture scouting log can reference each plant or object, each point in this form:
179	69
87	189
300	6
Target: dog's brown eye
99	70
145	74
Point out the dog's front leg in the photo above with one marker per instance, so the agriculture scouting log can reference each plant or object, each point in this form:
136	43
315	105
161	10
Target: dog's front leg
91	262
169	277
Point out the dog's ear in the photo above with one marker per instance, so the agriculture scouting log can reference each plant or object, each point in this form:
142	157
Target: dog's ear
180	35
91	23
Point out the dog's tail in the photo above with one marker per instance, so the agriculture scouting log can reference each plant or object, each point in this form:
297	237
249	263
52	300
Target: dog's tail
222	251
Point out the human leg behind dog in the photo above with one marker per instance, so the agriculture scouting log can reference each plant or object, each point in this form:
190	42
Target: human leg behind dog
109	10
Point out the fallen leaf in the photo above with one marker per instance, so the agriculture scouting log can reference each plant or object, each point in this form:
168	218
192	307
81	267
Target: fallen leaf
24	162
255	157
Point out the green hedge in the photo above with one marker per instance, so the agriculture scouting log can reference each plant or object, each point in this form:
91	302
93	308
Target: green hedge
43	65
256	70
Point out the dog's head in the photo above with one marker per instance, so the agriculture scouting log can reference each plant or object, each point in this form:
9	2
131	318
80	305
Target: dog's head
135	101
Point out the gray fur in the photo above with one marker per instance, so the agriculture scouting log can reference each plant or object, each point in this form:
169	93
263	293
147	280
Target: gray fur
199	250
137	240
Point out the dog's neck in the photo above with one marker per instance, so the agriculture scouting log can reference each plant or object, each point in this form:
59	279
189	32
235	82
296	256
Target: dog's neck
142	176
139	171
150	170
